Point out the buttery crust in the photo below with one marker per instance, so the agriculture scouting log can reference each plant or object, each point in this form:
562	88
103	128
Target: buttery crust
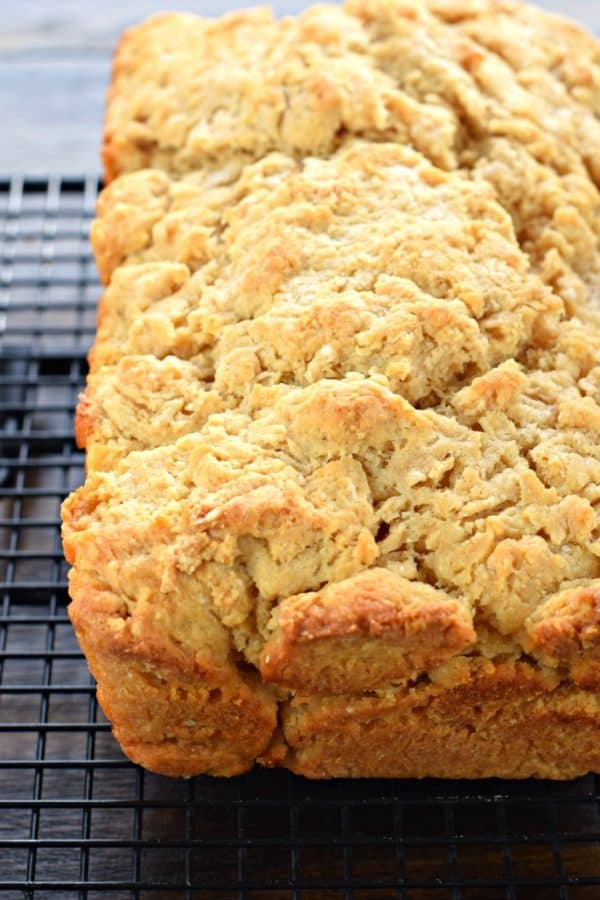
496	88
504	720
177	702
363	632
299	282
343	417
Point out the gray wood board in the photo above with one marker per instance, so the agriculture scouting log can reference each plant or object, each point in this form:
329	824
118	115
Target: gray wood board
55	64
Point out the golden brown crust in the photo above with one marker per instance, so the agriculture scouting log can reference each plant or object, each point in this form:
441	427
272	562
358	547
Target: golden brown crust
109	153
505	720
343	418
175	709
504	91
567	627
141	402
446	294
362	633
246	85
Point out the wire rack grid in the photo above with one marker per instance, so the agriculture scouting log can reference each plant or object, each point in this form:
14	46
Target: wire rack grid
76	818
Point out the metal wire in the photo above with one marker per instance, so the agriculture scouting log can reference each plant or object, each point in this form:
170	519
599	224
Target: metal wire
78	820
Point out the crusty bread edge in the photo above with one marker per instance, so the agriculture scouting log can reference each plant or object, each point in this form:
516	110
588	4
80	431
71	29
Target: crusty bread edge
508	720
171	712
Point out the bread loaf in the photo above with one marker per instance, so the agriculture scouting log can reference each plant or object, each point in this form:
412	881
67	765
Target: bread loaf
342	420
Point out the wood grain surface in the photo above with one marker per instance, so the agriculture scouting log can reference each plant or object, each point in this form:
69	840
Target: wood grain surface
54	67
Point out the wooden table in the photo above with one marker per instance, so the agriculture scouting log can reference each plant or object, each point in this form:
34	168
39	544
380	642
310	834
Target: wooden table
54	65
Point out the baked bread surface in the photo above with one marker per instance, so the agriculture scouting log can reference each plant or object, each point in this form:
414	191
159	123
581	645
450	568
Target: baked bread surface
343	413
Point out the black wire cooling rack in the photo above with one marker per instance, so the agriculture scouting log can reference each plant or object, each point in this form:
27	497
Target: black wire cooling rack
76	819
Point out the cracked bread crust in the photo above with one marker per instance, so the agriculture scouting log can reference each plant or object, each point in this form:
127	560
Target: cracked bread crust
300	282
188	93
500	90
343	416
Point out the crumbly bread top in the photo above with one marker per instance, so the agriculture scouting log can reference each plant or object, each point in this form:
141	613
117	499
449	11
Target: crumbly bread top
345	394
496	88
370	261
